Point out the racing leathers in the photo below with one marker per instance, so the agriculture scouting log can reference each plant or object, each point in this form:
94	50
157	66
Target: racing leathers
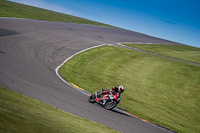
113	90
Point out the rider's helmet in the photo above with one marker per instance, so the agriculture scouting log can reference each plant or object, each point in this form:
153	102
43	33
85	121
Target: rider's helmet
121	89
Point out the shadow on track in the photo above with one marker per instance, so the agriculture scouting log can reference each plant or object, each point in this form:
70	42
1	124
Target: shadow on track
115	110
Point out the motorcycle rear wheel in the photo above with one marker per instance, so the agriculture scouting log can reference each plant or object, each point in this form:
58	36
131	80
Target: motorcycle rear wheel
92	99
110	104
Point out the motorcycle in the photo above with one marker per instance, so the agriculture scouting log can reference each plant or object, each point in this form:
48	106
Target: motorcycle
109	101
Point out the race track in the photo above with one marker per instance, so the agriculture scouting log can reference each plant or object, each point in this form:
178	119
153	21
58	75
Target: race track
30	51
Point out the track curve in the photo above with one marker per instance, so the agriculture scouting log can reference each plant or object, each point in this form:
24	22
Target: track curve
30	51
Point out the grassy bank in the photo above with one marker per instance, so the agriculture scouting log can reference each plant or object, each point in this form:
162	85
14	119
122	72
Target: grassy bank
161	90
21	114
12	9
183	52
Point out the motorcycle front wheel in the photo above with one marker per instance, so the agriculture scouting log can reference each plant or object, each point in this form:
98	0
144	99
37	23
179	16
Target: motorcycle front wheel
110	104
92	99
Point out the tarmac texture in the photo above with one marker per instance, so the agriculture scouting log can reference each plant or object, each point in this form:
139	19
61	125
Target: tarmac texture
31	50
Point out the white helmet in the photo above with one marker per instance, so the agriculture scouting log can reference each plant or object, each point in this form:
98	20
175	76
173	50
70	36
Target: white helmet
121	89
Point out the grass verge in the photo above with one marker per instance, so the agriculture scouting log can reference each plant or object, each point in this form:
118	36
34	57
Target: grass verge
12	9
20	114
183	52
161	90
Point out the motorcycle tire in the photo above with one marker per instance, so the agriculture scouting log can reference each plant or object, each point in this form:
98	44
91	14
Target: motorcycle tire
110	104
92	99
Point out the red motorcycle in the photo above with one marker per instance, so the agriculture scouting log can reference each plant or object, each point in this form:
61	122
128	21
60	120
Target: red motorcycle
109	100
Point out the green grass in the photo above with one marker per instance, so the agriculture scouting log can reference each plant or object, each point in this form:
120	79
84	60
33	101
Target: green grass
162	90
12	9
183	52
21	114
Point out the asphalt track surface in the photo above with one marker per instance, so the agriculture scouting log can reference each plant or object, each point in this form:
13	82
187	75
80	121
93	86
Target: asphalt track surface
31	50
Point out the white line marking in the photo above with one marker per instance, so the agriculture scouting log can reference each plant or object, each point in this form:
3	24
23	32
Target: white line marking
57	69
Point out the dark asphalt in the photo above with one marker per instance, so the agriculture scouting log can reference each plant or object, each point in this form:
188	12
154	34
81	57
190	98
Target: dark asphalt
30	51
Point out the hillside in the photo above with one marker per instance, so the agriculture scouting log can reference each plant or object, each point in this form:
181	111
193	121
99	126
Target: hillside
12	9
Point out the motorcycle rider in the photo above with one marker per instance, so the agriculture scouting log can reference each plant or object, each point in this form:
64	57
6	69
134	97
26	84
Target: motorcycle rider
113	90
